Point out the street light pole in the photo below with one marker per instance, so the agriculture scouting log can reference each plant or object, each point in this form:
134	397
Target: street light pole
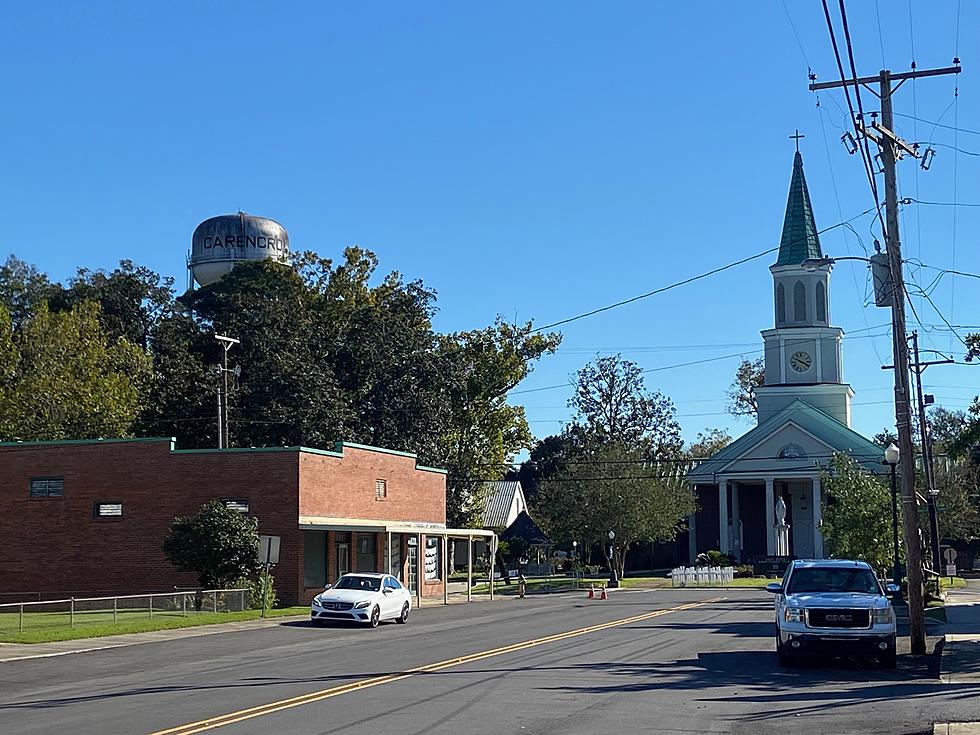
891	459
613	573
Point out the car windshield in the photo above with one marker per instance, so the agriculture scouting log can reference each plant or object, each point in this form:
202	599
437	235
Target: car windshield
833	579
368	584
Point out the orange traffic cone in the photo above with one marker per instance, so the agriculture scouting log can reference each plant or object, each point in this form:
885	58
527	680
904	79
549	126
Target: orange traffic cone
603	595
591	591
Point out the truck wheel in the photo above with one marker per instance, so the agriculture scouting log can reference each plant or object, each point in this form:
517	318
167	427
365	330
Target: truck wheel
887	660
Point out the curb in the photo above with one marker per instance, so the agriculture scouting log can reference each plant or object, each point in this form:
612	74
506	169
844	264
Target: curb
956	728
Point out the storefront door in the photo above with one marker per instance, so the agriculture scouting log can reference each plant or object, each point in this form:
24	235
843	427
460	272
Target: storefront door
413	565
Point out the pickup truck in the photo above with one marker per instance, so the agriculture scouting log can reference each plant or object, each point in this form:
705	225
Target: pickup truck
833	607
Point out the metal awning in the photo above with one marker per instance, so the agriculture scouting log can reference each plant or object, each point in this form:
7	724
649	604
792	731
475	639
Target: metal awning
367	525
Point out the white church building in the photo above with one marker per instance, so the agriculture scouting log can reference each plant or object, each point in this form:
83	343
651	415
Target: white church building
804	415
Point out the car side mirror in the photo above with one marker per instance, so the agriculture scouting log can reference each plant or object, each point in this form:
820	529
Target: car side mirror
327	587
775	587
892	589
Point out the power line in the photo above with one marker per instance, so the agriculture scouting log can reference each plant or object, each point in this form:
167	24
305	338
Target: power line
692	279
863	144
938	125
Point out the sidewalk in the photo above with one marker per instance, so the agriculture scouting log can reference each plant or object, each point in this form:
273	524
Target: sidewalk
960	662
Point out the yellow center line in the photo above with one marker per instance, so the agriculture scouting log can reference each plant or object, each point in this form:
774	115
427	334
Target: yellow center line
277	706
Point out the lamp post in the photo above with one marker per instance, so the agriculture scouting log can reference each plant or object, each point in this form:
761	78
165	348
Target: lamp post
613	575
891	459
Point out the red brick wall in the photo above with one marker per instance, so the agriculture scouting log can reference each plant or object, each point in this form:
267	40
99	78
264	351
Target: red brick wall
335	487
56	548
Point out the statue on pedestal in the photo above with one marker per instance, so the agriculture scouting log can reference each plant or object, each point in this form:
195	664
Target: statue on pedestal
782	529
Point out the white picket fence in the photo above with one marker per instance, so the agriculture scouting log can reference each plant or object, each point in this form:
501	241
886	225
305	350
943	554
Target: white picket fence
701	576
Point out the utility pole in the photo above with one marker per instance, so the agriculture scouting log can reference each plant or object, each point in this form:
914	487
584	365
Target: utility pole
928	470
889	144
227	343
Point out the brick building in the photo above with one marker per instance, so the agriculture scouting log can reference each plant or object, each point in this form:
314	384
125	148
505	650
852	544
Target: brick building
89	517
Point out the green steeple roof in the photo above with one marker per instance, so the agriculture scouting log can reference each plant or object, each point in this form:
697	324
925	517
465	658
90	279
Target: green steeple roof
800	240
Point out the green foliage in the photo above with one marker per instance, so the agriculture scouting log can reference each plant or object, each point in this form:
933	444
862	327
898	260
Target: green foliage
857	515
62	377
749	375
329	352
613	488
612	405
713	558
260	588
709	442
958	483
218	543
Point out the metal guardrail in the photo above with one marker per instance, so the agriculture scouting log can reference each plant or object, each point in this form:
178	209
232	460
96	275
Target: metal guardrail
19	617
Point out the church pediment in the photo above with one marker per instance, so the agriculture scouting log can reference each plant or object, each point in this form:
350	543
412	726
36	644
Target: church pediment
798	439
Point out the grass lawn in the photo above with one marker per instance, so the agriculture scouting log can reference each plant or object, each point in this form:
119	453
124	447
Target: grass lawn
557	583
48	627
957	582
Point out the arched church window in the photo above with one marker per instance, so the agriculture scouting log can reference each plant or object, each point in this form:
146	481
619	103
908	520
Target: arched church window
799	302
792	451
780	304
821	303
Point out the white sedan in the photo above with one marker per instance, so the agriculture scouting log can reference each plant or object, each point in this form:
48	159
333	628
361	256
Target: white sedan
363	598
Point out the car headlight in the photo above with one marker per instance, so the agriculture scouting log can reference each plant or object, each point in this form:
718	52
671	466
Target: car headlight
362	604
318	601
793	615
883	616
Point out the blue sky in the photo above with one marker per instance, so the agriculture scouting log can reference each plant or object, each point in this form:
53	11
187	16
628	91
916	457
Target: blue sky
530	160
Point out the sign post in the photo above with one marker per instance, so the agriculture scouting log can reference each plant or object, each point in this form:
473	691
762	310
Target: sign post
950	556
268	557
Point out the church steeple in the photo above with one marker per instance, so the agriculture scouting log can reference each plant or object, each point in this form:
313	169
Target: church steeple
800	240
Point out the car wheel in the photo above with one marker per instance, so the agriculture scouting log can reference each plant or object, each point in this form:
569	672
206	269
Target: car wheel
784	656
403	618
375	616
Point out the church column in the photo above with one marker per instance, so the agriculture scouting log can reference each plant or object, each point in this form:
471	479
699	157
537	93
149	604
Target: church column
692	537
770	517
736	518
817	515
723	515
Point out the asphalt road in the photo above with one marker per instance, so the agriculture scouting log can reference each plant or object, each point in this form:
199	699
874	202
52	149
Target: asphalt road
706	667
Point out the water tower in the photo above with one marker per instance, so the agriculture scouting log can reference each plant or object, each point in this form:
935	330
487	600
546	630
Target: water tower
219	243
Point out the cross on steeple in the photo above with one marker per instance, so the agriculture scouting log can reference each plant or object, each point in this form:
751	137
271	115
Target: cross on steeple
797	138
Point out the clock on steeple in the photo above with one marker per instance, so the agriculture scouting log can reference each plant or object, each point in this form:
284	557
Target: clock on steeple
803	352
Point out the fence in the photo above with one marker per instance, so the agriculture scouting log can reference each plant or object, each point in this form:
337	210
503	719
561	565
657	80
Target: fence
701	576
77	612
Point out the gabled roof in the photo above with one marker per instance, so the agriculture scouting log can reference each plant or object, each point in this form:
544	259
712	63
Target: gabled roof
500	499
800	240
525	528
819	425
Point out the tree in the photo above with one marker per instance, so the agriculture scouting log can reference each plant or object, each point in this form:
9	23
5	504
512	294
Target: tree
612	406
749	375
709	442
480	430
614	488
132	299
61	377
219	543
885	437
23	289
857	515
958	483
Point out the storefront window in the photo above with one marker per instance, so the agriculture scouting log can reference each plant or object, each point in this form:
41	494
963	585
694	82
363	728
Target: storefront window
433	557
314	558
367	554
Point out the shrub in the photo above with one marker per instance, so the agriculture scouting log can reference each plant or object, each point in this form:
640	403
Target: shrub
713	558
